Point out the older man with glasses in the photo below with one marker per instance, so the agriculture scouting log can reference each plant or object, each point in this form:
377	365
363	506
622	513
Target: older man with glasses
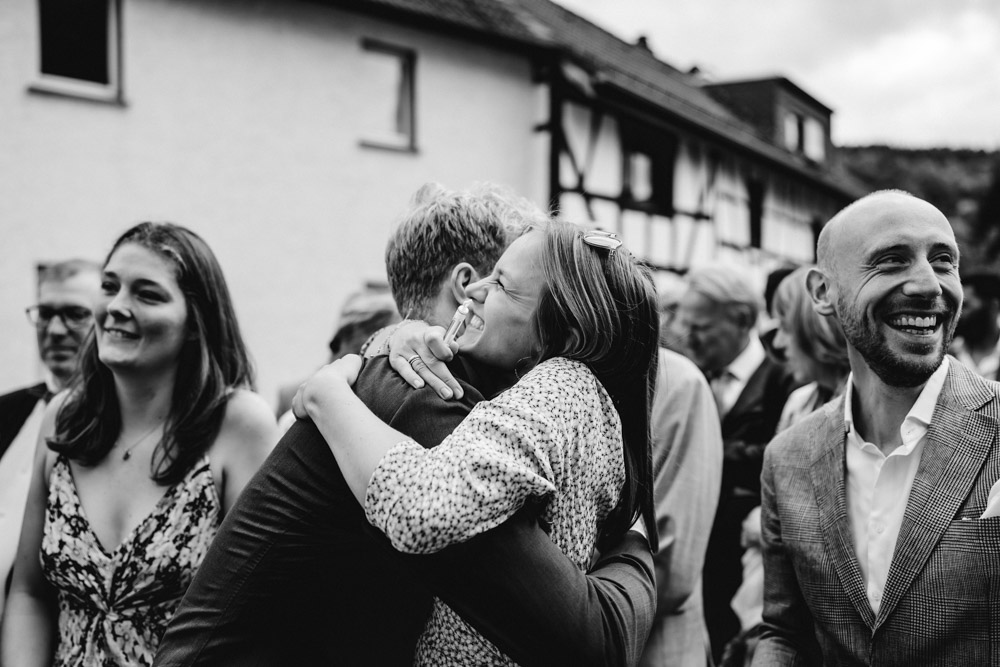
63	317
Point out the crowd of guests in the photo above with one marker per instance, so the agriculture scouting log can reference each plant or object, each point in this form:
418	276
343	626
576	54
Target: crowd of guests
518	454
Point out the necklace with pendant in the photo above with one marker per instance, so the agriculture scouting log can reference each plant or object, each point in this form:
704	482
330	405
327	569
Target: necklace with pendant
128	451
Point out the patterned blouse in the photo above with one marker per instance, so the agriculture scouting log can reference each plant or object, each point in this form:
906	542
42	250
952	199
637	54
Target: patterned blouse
114	607
554	435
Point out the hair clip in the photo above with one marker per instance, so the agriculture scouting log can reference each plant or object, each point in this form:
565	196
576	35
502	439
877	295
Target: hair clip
600	239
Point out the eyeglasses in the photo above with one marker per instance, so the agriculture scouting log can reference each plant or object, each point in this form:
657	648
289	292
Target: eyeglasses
74	317
601	239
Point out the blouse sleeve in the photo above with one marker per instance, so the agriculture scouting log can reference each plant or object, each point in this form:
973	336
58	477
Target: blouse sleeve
479	476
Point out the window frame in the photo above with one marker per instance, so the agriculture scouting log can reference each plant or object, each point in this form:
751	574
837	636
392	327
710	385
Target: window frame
112	92
660	150
408	63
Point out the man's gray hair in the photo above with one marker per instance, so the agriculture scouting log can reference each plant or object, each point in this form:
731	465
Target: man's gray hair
57	272
728	288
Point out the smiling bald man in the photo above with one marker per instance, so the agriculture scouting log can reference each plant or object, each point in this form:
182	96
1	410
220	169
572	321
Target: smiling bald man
881	539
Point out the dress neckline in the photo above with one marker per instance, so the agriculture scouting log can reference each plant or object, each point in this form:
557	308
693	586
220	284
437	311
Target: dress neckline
167	496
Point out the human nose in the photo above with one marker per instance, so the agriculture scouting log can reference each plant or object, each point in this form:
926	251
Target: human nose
57	325
922	281
476	290
119	306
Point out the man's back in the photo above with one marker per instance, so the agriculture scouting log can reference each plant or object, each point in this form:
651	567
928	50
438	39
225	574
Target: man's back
302	554
687	466
297	575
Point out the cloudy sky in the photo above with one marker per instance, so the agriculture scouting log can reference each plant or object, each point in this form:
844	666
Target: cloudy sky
913	73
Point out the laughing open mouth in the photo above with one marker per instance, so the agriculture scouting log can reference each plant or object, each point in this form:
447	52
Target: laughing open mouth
917	324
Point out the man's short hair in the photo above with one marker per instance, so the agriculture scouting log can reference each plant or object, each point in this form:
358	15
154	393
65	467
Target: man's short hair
57	272
364	312
728	288
444	228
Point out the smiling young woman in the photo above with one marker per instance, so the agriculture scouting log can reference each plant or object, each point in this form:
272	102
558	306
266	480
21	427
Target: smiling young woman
576	315
138	460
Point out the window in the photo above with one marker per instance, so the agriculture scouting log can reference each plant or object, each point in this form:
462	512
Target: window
648	165
639	175
793	132
805	136
388	78
814	143
80	49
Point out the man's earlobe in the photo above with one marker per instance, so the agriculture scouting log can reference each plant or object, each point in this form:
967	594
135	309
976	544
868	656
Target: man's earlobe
818	284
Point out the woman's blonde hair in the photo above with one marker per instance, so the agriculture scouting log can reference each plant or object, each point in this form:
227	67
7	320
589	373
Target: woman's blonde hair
819	337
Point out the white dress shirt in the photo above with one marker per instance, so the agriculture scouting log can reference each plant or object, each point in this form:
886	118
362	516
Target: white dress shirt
731	382
878	486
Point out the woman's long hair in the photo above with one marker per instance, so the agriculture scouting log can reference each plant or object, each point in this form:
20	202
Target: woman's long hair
599	307
212	361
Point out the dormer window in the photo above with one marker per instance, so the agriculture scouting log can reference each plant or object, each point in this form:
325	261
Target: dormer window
814	141
805	135
793	132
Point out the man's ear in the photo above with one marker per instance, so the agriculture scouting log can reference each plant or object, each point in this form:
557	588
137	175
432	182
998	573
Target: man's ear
462	275
821	292
743	318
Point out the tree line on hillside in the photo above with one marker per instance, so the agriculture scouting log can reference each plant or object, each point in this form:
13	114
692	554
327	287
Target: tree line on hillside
963	183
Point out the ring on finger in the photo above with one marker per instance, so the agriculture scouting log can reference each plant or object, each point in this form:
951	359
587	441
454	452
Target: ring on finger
415	357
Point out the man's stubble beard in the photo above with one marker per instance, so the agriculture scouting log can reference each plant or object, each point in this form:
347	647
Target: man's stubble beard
871	343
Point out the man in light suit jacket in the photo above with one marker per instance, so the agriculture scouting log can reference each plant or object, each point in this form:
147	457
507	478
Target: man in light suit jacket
879	548
687	469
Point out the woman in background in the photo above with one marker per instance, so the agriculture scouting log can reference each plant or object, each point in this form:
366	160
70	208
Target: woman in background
814	348
142	455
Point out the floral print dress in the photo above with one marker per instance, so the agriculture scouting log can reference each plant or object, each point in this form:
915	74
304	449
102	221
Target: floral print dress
114	607
555	436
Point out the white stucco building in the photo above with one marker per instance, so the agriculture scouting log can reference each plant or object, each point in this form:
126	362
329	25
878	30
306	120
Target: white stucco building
291	133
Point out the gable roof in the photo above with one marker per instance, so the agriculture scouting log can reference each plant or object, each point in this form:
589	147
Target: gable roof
616	67
777	82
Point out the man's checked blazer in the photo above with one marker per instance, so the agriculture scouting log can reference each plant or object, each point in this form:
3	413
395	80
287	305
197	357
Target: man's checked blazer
941	604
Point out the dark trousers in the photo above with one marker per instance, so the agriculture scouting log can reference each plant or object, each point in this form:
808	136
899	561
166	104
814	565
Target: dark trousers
723	572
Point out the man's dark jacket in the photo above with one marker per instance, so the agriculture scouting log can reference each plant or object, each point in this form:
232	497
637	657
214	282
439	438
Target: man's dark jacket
298	576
